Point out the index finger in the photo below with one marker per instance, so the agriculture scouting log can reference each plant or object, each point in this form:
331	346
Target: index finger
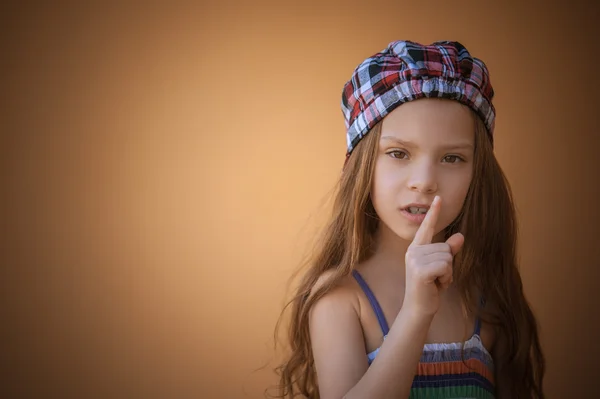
426	230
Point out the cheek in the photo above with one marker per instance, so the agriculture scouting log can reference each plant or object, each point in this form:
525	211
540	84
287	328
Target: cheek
386	184
455	192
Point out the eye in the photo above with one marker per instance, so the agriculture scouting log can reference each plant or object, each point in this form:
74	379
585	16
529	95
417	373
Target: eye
398	154
452	159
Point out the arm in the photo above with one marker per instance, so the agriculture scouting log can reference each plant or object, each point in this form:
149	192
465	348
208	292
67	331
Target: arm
340	356
336	333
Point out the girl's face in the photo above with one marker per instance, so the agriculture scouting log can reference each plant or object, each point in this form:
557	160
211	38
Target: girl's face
425	149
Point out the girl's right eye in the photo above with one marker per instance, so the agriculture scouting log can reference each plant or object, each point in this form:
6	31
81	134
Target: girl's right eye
398	154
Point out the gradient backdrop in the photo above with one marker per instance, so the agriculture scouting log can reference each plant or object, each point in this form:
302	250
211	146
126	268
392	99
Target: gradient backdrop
164	166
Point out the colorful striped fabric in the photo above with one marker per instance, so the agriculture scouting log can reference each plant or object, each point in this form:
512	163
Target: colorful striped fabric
449	370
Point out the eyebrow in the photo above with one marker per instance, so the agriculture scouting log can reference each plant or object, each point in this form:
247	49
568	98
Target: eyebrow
410	144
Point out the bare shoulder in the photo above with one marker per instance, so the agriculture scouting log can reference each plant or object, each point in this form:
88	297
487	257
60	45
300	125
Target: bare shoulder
344	288
336	337
339	304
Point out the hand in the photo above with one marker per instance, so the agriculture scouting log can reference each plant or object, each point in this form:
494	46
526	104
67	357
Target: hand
429	266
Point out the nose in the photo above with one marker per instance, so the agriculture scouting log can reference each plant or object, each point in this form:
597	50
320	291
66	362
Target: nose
422	177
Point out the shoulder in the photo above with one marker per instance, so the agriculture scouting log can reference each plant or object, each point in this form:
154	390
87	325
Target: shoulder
336	335
338	309
341	293
344	291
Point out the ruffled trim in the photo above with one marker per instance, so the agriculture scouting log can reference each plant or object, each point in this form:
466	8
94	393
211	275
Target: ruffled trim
451	352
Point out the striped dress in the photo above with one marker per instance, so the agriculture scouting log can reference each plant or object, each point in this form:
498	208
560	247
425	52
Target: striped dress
453	370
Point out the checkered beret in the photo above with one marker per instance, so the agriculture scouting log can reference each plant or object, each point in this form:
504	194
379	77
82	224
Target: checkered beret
407	71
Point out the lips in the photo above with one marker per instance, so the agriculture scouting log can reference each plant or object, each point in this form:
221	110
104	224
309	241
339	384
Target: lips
414	209
418	217
418	206
413	217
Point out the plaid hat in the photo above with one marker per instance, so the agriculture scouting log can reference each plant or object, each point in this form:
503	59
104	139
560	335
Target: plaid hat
407	71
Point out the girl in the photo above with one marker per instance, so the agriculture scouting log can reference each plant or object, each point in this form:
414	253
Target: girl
414	289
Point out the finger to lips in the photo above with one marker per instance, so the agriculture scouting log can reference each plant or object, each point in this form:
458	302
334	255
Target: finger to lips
426	230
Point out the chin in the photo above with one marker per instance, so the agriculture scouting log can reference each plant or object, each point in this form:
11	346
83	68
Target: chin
402	231
406	234
407	231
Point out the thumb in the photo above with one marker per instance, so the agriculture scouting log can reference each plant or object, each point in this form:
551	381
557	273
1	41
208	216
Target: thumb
456	242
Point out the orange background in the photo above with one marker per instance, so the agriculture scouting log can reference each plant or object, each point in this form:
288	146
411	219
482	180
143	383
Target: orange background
163	168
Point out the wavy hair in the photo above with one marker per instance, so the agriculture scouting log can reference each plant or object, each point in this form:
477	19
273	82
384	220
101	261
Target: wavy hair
486	264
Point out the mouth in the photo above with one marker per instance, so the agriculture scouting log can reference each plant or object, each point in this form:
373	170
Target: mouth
416	209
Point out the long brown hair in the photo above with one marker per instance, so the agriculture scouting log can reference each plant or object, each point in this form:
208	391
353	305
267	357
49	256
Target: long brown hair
486	264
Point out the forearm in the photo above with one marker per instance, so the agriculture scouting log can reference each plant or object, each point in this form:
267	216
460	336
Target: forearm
393	370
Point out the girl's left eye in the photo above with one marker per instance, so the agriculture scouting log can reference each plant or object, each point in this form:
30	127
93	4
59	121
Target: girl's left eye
452	159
